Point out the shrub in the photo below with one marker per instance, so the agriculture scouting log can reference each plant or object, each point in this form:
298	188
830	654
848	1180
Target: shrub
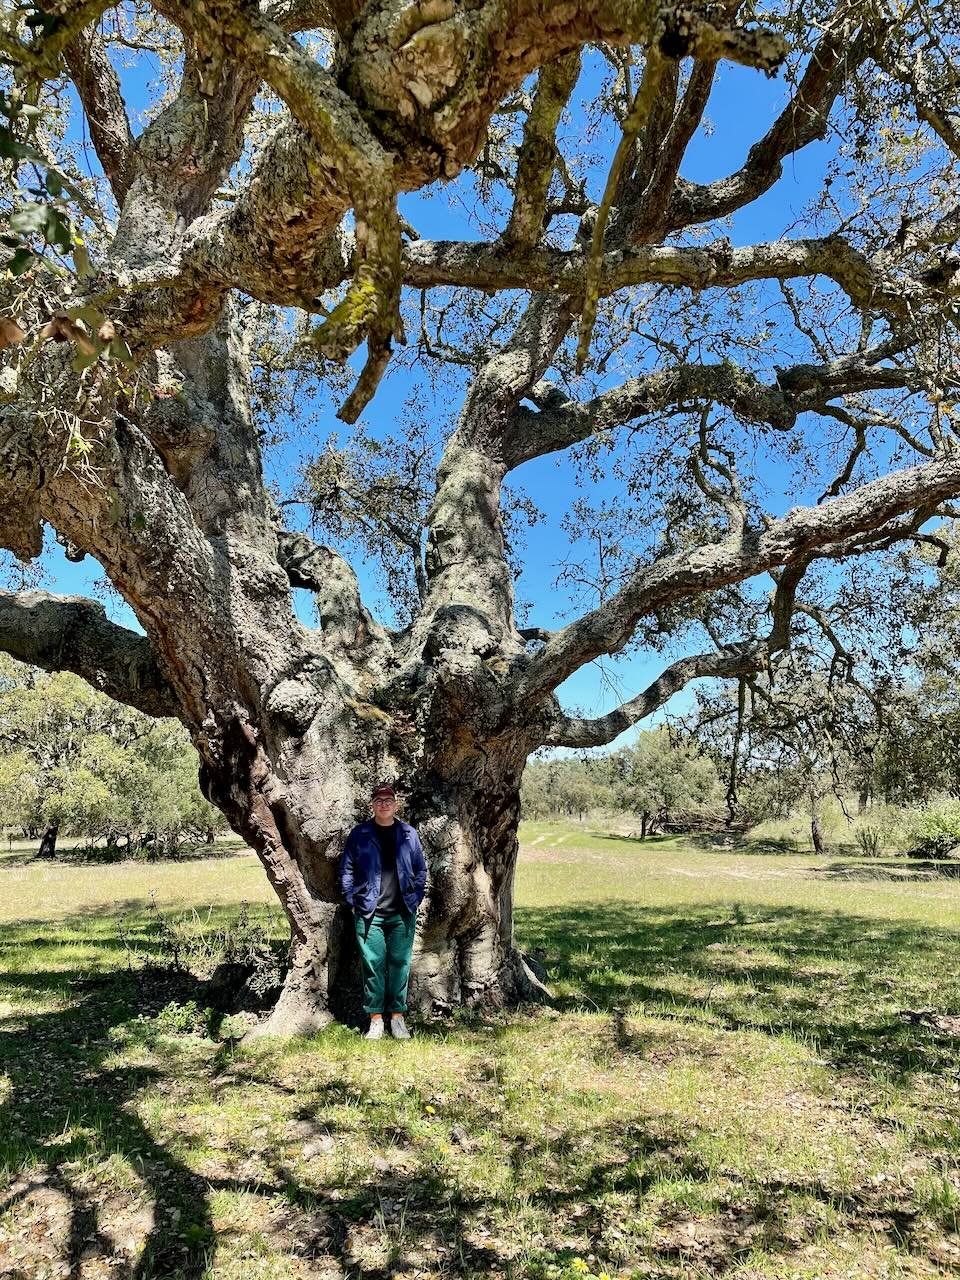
882	829
935	829
869	840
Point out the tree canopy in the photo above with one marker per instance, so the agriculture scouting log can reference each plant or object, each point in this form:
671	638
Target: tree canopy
77	761
770	407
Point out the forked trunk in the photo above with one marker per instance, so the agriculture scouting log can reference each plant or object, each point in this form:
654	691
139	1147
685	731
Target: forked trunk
466	807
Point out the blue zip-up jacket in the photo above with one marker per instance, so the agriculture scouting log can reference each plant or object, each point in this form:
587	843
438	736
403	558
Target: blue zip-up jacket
360	867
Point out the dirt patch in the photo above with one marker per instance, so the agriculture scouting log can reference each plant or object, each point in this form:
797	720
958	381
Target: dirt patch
49	1229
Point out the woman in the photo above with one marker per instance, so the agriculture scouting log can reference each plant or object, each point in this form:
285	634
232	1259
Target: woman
383	876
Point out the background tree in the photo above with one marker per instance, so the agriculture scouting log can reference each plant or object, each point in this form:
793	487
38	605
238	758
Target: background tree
568	787
603	311
77	761
657	778
862	705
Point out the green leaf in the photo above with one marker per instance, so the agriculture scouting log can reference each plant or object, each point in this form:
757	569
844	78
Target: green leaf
12	149
53	184
29	219
90	315
81	260
58	230
118	350
83	360
21	261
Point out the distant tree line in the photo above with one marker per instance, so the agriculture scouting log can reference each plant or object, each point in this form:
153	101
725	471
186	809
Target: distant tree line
660	778
76	763
863	706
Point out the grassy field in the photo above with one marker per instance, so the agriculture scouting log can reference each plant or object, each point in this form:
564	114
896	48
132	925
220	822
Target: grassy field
751	1071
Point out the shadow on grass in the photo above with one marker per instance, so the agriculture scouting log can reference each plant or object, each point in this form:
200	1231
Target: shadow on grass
742	843
634	841
826	978
838	982
898	870
57	1065
81	855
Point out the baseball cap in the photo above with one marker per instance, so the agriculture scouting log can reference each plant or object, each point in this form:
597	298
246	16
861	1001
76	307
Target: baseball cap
384	790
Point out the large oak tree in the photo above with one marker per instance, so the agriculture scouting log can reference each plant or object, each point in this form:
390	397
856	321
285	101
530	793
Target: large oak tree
127	420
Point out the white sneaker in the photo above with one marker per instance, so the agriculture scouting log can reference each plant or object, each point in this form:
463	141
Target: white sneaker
398	1027
375	1030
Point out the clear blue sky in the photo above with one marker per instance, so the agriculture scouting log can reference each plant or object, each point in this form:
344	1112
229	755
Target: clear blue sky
740	110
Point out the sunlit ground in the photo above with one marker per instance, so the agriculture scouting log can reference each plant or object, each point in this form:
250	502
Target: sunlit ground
752	1072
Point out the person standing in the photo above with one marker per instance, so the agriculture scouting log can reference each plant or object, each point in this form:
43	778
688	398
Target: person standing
383	876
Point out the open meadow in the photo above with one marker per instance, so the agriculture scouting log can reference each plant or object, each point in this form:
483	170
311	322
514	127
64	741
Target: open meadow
751	1071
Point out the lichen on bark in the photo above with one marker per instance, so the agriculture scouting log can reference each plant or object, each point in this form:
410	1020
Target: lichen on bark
292	723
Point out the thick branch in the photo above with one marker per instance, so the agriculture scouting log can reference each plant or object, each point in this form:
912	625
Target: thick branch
98	87
804	120
345	621
644	217
561	423
801	534
727	663
936	110
69	633
65	20
427	78
573	731
658	72
538	151
869	285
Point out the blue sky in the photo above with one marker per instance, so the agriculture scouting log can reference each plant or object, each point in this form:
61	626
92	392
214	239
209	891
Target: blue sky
740	110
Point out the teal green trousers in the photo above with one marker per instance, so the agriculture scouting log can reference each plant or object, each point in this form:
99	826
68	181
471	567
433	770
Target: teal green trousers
386	945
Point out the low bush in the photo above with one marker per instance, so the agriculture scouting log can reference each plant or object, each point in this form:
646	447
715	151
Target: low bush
935	829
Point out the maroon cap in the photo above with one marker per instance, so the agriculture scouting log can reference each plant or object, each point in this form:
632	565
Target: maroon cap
384	790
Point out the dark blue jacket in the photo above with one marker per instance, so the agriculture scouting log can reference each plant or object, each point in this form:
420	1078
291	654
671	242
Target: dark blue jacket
360	867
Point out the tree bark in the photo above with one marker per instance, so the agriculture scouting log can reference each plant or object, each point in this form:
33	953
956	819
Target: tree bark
816	834
48	841
466	809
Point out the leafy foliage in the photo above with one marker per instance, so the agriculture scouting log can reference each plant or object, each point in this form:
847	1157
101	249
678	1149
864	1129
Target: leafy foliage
80	762
656	778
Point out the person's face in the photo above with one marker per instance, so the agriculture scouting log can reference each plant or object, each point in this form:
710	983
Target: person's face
384	807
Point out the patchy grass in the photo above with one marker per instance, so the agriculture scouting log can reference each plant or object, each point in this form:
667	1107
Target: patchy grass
752	1072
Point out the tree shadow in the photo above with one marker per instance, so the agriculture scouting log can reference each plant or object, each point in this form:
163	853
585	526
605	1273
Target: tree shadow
58	1065
898	870
81	855
837	981
67	1100
741	842
634	841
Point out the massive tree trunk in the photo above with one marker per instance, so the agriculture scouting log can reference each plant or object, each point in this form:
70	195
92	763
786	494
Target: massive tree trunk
159	475
293	796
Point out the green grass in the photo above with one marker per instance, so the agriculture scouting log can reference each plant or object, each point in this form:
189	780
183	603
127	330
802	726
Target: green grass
731	1084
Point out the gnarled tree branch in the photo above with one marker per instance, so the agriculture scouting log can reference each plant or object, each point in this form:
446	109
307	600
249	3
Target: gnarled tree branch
727	663
538	152
801	534
70	633
870	285
98	87
560	423
345	621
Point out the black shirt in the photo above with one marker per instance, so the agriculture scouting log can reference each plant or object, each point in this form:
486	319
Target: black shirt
390	899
